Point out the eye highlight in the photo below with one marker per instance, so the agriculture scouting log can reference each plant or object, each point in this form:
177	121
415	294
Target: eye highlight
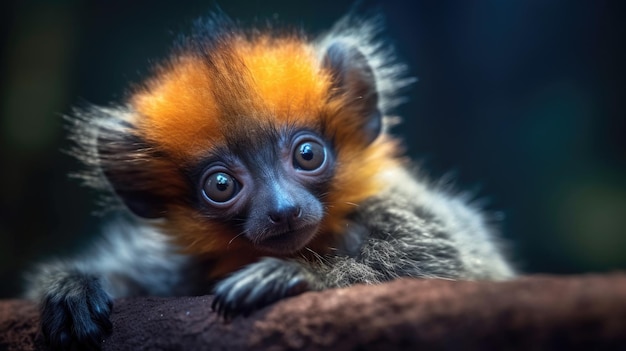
220	187
309	155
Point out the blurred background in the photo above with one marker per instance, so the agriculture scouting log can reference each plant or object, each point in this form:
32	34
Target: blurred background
523	102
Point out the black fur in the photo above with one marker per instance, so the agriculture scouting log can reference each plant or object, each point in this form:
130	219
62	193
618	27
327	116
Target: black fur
353	77
259	285
75	314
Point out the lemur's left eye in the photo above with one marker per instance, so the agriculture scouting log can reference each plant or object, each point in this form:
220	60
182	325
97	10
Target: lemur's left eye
309	155
220	187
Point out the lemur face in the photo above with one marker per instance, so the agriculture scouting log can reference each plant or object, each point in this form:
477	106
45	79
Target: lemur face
270	186
264	141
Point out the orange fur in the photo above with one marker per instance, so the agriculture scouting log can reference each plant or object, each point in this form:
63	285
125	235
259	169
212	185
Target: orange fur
282	81
190	107
178	110
287	77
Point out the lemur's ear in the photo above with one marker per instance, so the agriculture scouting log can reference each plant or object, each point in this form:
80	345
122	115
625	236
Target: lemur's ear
354	80
127	162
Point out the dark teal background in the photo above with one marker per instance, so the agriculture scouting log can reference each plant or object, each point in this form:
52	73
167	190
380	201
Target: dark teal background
523	101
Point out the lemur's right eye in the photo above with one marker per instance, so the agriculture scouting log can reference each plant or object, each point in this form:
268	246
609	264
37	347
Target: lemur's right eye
309	155
220	187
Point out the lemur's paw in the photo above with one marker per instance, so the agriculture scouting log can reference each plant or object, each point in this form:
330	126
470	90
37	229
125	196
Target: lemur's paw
75	314
258	285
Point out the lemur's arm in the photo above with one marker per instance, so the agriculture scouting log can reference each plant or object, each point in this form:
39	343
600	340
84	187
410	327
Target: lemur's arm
75	296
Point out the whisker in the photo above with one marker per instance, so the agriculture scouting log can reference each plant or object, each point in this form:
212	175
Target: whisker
315	254
235	237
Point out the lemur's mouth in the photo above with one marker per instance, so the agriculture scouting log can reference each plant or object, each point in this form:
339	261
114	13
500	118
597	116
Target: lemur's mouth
288	241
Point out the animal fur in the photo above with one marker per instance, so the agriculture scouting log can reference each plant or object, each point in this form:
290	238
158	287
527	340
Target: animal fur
236	97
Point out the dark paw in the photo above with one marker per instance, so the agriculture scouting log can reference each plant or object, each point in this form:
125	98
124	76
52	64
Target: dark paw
258	285
75	314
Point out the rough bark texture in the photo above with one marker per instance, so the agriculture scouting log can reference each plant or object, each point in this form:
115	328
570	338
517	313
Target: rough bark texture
531	313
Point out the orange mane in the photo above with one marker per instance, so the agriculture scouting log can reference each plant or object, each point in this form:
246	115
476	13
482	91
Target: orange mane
195	102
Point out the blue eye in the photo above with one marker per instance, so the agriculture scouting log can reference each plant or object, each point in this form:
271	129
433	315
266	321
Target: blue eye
220	187
309	155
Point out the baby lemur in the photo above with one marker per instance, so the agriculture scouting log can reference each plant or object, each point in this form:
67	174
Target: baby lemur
256	164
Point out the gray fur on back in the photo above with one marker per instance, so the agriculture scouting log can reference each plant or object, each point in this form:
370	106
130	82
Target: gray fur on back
415	230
